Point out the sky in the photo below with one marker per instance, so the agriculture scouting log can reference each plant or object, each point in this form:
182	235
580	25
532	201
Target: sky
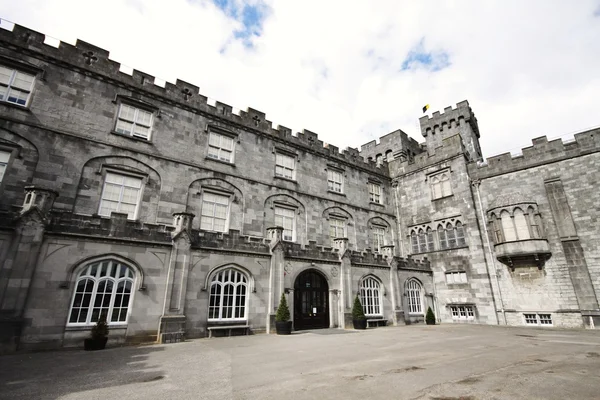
353	71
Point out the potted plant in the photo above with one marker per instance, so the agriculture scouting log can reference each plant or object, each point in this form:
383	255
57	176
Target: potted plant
358	315
99	336
430	317
282	318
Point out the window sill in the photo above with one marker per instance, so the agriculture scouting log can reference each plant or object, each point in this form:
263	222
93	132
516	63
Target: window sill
334	192
443	197
438	250
285	179
16	106
220	161
376	204
135	139
89	328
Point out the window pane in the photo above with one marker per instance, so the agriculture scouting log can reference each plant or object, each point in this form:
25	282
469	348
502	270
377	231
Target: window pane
5	74
22	81
508	227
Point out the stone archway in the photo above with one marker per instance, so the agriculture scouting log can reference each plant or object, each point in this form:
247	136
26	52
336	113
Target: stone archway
311	301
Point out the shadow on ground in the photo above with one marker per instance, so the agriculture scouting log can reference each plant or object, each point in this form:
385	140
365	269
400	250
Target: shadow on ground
60	373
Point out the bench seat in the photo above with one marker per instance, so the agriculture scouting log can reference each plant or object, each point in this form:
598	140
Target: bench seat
227	328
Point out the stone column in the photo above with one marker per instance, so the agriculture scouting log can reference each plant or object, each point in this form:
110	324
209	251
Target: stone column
18	268
345	281
276	274
172	322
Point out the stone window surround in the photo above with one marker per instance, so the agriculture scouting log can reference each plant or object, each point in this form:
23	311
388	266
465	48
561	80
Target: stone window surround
414	296
537	319
81	276
414	230
438	173
126	172
25	67
532	216
460	273
212	129
219	192
374	290
247	283
462	311
13	152
375	182
342	183
277	205
121	99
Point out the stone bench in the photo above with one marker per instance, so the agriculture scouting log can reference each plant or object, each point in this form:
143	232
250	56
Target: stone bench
227	328
377	322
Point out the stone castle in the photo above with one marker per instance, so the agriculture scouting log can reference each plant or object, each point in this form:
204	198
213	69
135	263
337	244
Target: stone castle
175	218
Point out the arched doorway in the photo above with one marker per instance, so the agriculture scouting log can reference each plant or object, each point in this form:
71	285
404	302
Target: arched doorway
311	301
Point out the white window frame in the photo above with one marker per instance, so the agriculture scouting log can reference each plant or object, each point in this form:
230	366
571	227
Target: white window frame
336	226
378	233
538	319
375	193
285	166
223	278
283	218
4	160
456	277
462	312
123	186
135	121
414	297
95	272
440	184
204	210
370	297
217	149
335	180
8	86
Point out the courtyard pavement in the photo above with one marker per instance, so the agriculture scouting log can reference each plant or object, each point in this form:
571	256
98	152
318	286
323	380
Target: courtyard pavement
445	362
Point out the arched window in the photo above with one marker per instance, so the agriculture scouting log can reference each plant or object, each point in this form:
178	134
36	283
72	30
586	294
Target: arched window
429	238
450	235
521	225
228	298
370	296
508	227
440	185
460	234
422	242
414	240
414	295
102	288
442	236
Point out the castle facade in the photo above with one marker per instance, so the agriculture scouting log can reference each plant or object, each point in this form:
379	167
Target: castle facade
176	218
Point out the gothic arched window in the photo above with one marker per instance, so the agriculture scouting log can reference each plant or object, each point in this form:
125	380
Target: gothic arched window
228	296
414	296
102	288
370	296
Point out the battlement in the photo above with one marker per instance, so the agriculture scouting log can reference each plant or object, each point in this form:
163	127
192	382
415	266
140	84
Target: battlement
394	145
541	152
450	118
94	60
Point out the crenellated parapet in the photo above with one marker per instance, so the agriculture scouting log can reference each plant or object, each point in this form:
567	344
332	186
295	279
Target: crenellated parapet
450	119
91	60
453	121
541	152
393	146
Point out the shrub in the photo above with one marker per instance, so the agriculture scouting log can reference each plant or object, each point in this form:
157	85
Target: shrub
357	309
100	330
430	317
283	312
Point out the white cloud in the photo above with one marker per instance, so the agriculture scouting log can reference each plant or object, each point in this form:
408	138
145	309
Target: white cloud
334	67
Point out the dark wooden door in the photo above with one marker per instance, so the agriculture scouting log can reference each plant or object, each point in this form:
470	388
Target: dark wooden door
311	296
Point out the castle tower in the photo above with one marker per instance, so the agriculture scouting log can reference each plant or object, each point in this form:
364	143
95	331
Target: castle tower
460	120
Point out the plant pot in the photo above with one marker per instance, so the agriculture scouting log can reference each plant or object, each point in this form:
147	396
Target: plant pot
95	344
283	327
359	323
430	322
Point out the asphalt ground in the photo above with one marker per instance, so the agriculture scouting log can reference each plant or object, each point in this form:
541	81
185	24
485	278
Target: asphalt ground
444	362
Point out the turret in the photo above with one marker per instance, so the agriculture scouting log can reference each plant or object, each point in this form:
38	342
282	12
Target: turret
460	120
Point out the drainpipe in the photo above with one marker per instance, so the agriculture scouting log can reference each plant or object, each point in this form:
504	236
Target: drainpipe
475	183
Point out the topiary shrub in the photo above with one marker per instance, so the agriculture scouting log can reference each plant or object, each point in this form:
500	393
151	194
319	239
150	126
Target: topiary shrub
430	317
357	310
283	312
100	330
